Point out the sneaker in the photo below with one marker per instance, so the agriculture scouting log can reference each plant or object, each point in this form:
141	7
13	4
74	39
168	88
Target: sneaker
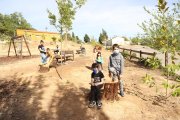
122	94
99	105
92	104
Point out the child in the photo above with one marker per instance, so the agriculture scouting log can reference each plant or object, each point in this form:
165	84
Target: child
42	52
115	66
49	57
99	60
96	84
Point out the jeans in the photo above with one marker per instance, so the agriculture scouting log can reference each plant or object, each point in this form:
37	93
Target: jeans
121	88
43	58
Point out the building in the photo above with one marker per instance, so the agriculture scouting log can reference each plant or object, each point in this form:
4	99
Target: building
38	35
117	40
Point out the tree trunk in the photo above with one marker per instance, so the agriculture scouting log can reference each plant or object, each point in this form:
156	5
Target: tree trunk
166	58
111	91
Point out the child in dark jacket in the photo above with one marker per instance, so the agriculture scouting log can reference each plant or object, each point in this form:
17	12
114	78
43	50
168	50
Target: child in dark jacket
96	84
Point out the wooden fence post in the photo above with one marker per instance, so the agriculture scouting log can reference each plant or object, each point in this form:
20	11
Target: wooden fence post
140	54
130	53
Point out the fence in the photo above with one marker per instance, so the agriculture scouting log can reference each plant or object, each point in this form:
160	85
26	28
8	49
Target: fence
137	51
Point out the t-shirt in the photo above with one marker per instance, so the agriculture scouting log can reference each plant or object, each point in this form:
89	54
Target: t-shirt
42	48
97	77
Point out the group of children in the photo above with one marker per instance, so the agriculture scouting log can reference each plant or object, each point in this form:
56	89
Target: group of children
46	55
115	68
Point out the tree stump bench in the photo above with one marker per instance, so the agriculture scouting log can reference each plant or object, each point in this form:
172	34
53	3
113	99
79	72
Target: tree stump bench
110	91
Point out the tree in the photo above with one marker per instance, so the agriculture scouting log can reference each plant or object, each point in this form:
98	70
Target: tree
164	32
9	23
103	36
86	38
67	10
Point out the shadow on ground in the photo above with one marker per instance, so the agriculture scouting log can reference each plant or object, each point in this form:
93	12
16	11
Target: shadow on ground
21	99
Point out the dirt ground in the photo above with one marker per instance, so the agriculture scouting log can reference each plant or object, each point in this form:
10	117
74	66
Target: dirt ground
60	94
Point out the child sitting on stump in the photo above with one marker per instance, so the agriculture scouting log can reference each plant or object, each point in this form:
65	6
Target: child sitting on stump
96	84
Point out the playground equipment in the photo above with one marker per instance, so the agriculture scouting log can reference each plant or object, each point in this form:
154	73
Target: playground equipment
18	47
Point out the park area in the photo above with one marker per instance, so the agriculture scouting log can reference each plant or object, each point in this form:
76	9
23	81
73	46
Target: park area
61	93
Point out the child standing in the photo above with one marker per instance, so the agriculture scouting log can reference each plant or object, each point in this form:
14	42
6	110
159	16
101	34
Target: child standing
99	60
42	52
115	67
96	84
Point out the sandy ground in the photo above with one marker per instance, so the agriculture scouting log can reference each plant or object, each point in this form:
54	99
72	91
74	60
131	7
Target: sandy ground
61	94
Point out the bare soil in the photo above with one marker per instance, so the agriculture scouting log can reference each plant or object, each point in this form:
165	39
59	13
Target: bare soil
61	93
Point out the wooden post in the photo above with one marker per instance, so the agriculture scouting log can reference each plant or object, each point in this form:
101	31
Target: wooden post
130	53
9	47
140	54
21	46
26	45
14	46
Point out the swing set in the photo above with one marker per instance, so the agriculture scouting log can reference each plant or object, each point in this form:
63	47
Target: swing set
17	42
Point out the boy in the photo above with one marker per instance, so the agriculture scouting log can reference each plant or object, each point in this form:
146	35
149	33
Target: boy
115	66
96	84
42	52
49	57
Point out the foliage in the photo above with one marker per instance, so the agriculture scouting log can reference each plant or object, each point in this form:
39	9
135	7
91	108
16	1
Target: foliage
125	54
95	43
54	39
135	41
133	55
67	10
153	62
148	79
162	31
9	23
4	37
175	88
103	36
86	38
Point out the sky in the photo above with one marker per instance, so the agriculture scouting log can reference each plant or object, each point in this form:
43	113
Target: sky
116	17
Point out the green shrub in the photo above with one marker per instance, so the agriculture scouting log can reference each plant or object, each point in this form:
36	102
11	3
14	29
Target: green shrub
125	54
153	62
148	79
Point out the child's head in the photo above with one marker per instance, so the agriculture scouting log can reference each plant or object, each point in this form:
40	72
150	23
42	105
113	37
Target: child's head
115	48
98	54
47	50
95	67
41	42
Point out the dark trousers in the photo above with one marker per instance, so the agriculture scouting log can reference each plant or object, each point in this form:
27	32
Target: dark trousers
95	93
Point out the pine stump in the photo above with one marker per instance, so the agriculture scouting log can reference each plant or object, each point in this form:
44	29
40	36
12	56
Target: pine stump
111	91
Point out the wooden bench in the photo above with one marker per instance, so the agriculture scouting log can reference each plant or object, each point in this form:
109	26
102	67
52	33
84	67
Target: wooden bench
69	54
81	51
64	56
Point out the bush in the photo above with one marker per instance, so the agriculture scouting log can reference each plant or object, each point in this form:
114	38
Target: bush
4	37
125	54
153	62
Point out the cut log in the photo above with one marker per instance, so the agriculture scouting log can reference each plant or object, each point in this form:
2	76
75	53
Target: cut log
111	91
